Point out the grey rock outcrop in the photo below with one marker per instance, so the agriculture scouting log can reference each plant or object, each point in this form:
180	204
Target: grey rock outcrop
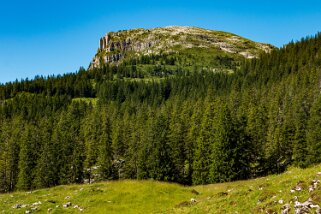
114	45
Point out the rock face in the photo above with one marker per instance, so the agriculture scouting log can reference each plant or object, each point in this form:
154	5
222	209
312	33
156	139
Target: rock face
118	45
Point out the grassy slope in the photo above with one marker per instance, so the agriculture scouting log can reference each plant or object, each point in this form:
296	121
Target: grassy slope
252	196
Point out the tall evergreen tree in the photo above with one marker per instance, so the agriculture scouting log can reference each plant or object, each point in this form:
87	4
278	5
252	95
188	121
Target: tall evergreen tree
105	156
313	133
27	157
203	150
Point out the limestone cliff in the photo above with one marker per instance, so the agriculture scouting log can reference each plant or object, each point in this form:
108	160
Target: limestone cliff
115	46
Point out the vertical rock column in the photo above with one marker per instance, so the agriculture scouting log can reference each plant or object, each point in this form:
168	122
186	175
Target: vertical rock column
104	42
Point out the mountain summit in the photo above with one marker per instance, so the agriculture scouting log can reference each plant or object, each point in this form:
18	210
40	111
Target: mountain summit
115	46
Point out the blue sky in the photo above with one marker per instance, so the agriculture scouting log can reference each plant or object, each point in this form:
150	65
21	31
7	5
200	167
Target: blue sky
58	36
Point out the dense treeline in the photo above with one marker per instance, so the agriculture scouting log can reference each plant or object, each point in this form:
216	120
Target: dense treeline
193	127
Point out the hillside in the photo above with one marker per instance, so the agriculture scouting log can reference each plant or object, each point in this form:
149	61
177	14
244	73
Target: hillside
151	118
185	46
285	193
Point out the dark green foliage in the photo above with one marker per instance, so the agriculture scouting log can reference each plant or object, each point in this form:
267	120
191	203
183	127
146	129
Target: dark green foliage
46	169
160	164
29	144
231	147
155	117
314	133
105	155
202	158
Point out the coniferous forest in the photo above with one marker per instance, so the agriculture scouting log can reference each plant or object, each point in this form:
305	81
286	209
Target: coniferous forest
190	127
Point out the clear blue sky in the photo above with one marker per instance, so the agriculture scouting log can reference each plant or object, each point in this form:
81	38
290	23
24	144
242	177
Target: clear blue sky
58	36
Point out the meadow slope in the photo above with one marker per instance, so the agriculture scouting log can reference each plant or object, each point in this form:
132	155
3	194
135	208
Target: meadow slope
262	195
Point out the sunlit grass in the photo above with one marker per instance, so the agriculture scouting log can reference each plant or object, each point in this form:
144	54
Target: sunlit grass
132	196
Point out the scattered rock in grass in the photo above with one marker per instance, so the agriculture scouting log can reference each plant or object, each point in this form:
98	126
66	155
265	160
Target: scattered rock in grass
57	206
319	174
314	183
281	201
311	189
298	189
36	203
34	208
66	205
286	209
297	204
195	192
305	207
28	212
67	197
79	208
17	206
302	210
193	200
49	210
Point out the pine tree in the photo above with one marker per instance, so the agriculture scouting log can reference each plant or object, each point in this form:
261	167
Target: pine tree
9	154
159	161
176	140
27	158
203	150
191	138
92	130
46	169
300	141
257	131
313	133
105	156
223	156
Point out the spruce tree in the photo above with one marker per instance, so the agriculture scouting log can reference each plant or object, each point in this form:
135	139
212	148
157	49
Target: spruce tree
313	133
105	155
224	147
27	158
203	150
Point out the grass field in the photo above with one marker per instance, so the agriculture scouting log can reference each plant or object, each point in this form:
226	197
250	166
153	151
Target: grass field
262	195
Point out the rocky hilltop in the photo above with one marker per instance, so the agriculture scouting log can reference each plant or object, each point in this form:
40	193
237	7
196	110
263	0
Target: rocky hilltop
116	46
